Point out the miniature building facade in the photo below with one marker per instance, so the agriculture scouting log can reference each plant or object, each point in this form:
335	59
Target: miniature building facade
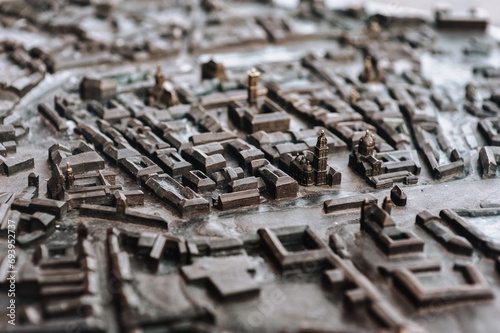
383	168
311	169
362	158
97	89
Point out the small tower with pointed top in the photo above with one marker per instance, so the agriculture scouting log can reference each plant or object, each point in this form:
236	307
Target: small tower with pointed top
353	97
387	205
367	75
70	177
159	78
253	82
320	159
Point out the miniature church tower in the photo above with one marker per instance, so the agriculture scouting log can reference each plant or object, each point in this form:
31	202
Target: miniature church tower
70	177
363	160
162	94
321	158
366	145
159	78
253	82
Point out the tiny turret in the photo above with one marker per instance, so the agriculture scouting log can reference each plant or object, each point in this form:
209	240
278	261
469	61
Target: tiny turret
70	177
159	78
253	82
366	145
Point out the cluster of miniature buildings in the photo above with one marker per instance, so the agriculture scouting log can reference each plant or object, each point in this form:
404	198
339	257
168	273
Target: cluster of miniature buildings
201	162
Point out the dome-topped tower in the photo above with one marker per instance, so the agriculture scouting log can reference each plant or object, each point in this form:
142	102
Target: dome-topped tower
366	144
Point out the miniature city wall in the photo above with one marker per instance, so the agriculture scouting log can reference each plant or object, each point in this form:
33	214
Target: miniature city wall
238	166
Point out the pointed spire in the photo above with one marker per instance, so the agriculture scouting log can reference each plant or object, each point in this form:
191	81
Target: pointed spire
387	205
70	177
159	78
368	69
353	97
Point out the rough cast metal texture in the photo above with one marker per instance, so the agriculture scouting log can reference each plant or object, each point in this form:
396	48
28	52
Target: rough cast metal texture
208	166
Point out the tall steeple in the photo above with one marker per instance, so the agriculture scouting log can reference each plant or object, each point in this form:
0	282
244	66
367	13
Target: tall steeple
70	177
159	78
321	158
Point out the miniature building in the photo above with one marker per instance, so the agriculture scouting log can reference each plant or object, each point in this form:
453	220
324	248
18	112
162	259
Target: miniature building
310	137
97	89
452	165
140	167
198	181
213	70
179	196
362	158
112	111
321	158
382	169
474	20
244	151
307	171
269	122
379	224
172	162
256	114
162	93
279	184
206	161
366	144
78	176
302	171
58	121
237	199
